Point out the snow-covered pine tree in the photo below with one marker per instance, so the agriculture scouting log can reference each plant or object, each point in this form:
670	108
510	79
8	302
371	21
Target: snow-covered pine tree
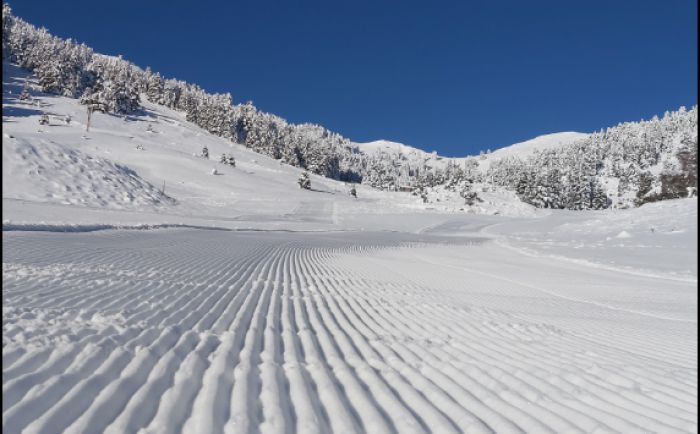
172	90
7	19
155	92
24	95
122	92
93	100
468	194
304	181
600	199
49	77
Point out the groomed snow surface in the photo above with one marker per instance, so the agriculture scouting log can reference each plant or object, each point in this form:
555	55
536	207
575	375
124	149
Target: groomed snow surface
216	331
239	303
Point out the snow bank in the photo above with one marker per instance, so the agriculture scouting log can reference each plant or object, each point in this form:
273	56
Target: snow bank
46	171
657	239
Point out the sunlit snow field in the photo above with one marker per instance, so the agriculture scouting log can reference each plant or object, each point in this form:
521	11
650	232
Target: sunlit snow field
240	303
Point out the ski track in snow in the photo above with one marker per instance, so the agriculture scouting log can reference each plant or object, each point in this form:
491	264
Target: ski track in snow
206	331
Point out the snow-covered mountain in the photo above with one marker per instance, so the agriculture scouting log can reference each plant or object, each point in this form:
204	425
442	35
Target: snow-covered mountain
401	154
388	147
528	147
539	143
397	150
625	166
521	149
147	161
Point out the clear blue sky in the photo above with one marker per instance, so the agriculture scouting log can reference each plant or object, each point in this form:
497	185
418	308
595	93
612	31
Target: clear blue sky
455	77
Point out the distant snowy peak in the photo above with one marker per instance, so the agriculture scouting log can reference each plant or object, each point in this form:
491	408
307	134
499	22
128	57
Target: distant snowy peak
539	143
401	154
390	147
520	149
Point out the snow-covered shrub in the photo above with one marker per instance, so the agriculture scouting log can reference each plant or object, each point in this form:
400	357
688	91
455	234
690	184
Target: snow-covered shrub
24	95
468	194
227	159
304	181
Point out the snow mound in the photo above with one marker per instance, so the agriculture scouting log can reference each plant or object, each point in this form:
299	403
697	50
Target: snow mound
657	239
623	234
47	171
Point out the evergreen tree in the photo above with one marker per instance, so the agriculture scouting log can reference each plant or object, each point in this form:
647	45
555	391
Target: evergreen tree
155	92
468	194
24	95
49	77
7	21
304	181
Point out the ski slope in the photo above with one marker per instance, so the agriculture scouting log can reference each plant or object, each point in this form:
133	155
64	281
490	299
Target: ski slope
143	294
178	330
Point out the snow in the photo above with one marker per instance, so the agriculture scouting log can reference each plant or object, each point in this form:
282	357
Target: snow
334	333
656	239
70	176
623	234
523	149
539	143
243	303
519	150
390	147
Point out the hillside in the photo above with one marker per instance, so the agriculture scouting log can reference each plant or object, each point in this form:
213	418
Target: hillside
628	165
528	147
521	150
61	174
401	155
